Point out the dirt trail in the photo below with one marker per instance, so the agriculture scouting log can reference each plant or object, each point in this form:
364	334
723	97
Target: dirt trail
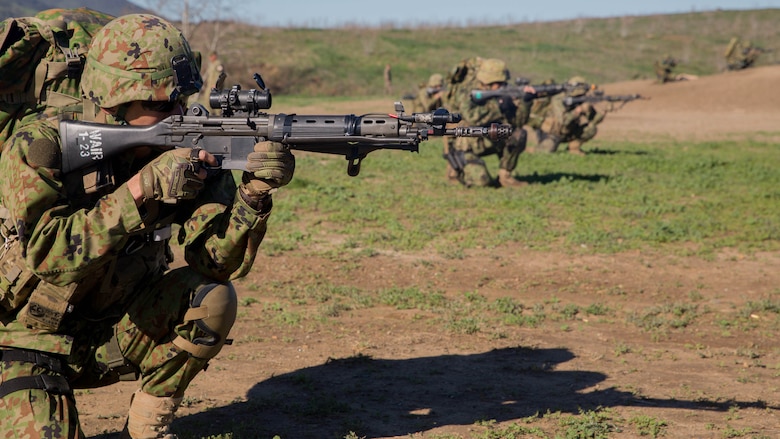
743	102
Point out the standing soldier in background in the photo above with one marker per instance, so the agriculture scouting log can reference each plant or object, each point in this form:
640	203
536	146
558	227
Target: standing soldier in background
213	78
388	76
93	300
464	155
574	125
429	97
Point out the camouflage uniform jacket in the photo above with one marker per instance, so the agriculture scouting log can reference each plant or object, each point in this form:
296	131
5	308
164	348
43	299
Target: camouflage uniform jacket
102	242
490	111
474	114
663	69
565	123
426	102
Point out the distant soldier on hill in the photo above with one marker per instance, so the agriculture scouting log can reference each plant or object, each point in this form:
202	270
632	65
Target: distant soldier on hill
741	54
664	68
388	77
429	96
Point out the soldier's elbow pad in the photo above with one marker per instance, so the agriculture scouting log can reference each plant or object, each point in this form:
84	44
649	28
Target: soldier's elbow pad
213	310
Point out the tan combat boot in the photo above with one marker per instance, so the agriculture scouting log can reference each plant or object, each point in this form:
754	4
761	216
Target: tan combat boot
574	147
150	416
505	179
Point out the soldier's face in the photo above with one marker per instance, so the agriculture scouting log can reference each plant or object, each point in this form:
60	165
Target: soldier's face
149	113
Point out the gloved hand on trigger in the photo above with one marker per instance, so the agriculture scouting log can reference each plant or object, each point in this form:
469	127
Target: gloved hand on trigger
270	166
172	176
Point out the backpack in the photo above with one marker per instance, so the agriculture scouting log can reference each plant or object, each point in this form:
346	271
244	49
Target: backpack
464	71
41	60
461	76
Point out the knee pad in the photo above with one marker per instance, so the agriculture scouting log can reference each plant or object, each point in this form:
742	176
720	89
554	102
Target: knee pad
213	311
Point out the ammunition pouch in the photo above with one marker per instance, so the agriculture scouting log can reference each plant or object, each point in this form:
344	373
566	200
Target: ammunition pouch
47	306
117	363
17	281
213	310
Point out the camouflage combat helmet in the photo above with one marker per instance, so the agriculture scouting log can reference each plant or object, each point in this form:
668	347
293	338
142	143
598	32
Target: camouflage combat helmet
436	81
139	57
579	86
492	70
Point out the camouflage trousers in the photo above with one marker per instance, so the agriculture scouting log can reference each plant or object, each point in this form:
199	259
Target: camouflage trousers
144	335
475	171
550	143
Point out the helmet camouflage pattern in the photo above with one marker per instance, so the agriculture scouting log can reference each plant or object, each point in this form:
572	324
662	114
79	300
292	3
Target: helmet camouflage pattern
579	84
436	80
139	57
492	70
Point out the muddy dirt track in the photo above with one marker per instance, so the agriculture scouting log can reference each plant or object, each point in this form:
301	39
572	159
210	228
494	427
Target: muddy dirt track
388	373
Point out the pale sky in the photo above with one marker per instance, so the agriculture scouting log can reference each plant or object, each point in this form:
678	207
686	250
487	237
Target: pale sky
407	13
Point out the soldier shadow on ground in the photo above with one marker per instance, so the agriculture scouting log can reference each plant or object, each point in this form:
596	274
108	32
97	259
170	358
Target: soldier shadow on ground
385	398
536	178
598	151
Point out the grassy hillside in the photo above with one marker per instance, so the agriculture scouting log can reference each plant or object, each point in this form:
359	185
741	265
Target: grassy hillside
350	61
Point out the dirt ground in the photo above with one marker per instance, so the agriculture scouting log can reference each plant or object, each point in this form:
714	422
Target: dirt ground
389	373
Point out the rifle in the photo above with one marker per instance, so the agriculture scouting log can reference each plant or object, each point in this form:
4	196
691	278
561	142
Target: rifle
522	80
573	101
541	90
232	136
430	91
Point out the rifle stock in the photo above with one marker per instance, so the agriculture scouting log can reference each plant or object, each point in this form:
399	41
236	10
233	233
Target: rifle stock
231	138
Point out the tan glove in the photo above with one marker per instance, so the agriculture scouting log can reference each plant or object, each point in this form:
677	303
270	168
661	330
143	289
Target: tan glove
270	166
172	176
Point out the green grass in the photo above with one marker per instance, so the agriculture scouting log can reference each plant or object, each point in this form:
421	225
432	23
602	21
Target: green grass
349	61
676	198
